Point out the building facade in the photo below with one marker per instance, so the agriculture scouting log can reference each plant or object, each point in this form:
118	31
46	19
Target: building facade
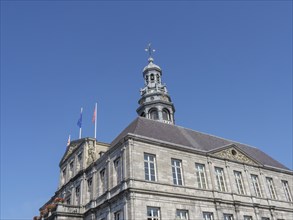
156	170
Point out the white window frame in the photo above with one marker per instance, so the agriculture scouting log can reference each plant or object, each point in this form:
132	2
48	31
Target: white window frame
201	176
239	182
287	190
271	187
208	216
256	185
220	179
181	214
149	166
177	173
228	216
153	213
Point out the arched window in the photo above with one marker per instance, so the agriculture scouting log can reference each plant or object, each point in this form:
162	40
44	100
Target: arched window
154	114
158	78
166	115
152	77
142	115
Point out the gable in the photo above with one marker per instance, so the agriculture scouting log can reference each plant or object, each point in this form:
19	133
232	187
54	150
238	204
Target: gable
69	150
232	152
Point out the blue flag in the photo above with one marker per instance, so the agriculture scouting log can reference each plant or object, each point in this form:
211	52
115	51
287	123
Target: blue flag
79	122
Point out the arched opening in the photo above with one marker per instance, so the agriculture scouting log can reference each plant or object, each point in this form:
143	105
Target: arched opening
142	114
166	115
158	78
152	78
154	114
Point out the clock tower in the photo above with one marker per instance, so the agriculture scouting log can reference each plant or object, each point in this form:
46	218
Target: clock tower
155	102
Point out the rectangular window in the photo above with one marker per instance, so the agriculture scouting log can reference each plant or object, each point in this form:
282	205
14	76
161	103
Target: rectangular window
220	179
68	201
228	217
256	185
181	214
247	217
79	161
177	171
89	184
271	187
239	182
118	171
208	216
103	180
71	168
153	213
287	190
118	215
200	176
77	191
150	167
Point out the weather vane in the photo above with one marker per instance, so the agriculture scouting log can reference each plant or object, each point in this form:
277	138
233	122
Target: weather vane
150	50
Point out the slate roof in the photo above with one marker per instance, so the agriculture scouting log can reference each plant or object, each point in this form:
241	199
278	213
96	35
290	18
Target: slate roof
190	139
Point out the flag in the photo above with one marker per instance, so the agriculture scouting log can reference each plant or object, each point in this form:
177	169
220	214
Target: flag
94	115
68	142
79	122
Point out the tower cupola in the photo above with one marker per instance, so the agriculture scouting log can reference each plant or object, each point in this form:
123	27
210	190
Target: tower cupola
155	102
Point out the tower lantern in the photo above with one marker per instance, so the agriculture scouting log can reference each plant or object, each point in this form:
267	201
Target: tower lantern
155	102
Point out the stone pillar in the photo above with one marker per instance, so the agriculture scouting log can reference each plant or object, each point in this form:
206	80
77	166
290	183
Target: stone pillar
123	166
247	181
256	212
211	172
107	177
229	179
219	210
237	211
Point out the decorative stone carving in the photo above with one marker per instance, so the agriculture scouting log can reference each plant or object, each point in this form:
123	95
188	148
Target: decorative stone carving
71	148
91	154
233	154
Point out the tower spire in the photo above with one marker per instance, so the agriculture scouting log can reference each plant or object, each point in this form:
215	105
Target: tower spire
155	102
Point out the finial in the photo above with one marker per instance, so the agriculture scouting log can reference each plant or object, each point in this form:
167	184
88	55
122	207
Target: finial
150	51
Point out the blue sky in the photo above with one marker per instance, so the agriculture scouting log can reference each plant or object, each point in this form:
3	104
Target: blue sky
227	66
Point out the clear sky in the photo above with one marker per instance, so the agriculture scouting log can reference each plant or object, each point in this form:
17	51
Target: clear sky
227	66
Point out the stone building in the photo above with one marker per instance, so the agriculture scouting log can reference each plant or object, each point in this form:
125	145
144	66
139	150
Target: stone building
156	170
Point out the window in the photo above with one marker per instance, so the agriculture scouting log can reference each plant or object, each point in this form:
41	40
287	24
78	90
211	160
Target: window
77	191
103	179
117	166
177	172
181	214
152	77
71	168
166	115
208	216
89	184
79	161
256	185
63	175
200	176
239	182
220	179
68	201
271	187
287	190
154	114
247	217
228	217
265	218
153	213
118	215
150	167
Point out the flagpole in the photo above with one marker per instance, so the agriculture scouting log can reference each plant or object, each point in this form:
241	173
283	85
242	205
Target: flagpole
96	111
80	126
